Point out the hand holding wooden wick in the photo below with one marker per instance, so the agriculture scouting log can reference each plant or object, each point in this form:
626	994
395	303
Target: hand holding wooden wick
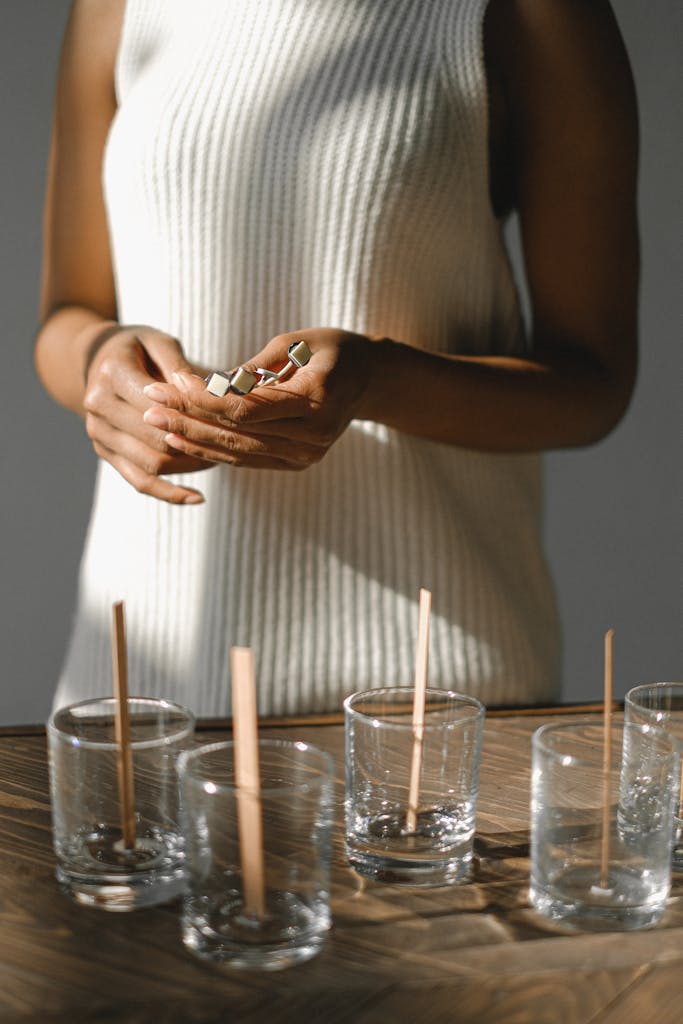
124	753
606	759
247	777
419	708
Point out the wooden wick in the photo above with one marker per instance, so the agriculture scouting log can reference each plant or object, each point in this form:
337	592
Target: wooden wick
419	708
124	753
247	777
606	759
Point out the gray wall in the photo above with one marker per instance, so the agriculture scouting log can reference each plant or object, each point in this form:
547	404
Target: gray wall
613	512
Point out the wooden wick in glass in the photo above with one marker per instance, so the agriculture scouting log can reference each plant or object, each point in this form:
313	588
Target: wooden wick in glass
124	753
606	758
248	780
419	708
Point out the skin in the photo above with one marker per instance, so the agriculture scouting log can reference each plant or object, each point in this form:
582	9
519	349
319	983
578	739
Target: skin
563	153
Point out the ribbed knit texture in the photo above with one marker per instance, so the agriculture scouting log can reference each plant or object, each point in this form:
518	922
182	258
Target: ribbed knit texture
284	164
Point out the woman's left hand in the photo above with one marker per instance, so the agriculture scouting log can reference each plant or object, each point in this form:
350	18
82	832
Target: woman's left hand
288	425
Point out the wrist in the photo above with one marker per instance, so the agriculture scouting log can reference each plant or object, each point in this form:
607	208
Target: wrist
91	339
64	338
381	369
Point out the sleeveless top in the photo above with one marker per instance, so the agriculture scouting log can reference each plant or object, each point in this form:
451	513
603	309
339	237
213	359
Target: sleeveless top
284	164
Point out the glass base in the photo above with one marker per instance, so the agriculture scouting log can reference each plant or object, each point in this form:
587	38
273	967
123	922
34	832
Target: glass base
437	851
578	901
222	932
97	870
122	894
265	958
415	872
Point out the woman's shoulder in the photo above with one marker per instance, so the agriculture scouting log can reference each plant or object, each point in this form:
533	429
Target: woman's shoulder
92	36
555	43
560	63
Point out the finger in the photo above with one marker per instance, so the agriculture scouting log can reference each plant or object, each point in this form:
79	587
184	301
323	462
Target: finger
286	400
122	427
120	421
155	459
121	375
120	415
275	355
281	433
218	433
238	449
187	393
259	461
139	359
166	353
146	483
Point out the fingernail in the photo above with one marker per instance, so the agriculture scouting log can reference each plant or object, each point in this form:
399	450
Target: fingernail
157	418
156	392
193	499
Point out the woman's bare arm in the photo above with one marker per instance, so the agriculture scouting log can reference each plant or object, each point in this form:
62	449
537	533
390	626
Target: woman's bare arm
571	126
86	360
77	290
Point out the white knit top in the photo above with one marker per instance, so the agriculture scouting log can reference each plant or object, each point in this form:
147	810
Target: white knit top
282	164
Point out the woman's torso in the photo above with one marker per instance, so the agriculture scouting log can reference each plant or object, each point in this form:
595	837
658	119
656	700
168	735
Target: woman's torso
302	163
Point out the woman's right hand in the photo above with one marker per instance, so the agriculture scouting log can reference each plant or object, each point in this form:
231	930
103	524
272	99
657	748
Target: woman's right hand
79	336
122	361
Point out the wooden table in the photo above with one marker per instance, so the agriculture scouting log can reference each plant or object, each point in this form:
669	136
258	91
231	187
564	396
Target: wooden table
474	953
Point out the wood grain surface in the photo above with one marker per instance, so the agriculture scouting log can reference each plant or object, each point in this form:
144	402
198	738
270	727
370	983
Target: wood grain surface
471	953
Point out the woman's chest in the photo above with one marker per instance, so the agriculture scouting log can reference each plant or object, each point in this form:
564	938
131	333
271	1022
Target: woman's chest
292	98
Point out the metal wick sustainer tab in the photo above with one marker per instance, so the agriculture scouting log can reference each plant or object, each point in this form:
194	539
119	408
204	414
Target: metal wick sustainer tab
241	381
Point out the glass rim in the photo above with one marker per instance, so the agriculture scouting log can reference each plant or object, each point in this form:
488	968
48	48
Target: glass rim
466	700
652	688
142	744
325	774
538	738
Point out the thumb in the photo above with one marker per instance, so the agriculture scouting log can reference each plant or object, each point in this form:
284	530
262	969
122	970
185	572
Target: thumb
282	354
166	355
273	356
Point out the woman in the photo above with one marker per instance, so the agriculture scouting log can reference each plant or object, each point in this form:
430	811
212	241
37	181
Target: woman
231	178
